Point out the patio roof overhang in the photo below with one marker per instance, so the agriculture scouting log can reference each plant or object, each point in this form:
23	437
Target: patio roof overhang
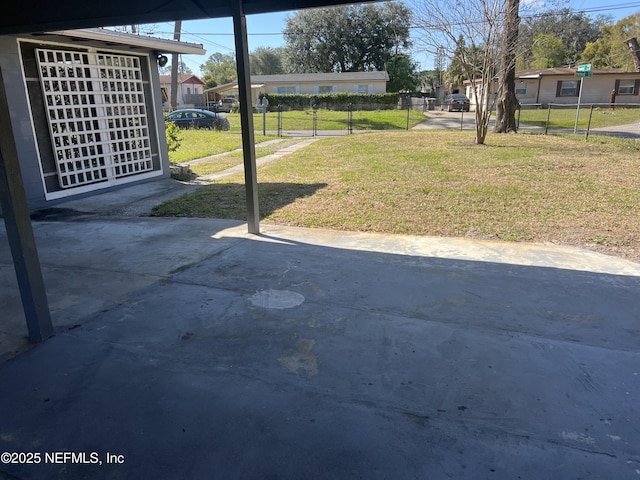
34	16
43	15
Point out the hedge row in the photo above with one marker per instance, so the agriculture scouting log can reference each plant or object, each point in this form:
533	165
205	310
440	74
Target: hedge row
332	101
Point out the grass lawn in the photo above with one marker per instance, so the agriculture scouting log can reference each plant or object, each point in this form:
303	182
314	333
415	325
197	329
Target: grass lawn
516	187
231	159
332	120
202	143
566	117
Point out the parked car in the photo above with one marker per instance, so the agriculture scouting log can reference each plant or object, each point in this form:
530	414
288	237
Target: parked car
196	118
226	105
455	101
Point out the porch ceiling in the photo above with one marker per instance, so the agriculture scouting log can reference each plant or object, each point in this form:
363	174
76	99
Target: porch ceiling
44	15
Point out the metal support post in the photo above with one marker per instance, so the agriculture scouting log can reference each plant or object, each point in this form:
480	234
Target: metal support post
20	232
246	120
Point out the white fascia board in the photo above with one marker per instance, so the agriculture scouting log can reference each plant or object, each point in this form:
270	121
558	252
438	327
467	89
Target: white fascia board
161	44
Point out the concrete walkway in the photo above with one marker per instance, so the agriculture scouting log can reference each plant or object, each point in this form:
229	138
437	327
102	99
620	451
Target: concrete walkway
289	147
466	121
188	349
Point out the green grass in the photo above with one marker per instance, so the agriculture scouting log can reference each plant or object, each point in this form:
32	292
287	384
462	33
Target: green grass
566	117
202	143
537	188
333	120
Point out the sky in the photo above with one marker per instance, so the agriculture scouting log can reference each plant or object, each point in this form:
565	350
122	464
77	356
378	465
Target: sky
216	35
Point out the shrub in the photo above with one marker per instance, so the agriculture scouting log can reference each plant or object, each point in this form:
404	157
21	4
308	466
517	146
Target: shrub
174	137
333	101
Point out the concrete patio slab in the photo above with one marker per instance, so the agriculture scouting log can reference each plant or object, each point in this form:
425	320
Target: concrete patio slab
187	349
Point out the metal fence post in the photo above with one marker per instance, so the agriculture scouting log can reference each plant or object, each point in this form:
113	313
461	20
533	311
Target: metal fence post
315	121
546	125
518	121
279	120
589	123
350	118
461	118
408	110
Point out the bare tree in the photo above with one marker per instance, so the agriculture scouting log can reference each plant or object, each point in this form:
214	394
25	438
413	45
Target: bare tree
470	34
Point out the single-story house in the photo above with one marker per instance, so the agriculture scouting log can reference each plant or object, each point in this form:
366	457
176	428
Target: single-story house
190	90
86	109
306	83
562	86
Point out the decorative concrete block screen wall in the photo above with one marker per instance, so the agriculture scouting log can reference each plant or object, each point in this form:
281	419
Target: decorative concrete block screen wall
96	113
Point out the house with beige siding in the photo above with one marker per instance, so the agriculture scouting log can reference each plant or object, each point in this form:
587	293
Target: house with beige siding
306	83
561	85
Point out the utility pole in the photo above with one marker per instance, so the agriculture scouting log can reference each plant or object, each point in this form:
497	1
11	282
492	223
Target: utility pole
174	66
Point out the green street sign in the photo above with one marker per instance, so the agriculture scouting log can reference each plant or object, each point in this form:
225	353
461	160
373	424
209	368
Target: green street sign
584	68
584	74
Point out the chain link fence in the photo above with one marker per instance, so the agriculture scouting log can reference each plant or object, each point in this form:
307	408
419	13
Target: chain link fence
617	119
340	120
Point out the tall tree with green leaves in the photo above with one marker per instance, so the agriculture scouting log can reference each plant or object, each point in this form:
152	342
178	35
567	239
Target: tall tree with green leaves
547	51
266	61
611	50
575	30
354	38
220	68
403	74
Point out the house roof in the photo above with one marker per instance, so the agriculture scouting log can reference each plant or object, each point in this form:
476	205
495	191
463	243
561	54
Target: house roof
258	81
321	77
182	78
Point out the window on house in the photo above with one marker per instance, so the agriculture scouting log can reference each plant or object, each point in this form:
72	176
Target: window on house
286	90
627	87
567	88
521	88
325	89
188	90
363	88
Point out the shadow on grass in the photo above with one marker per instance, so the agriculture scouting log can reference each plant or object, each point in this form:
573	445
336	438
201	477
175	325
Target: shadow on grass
228	200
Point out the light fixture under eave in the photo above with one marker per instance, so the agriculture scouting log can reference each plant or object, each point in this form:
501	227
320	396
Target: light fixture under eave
161	59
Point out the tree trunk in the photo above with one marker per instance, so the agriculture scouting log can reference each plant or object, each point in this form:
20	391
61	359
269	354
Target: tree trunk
507	104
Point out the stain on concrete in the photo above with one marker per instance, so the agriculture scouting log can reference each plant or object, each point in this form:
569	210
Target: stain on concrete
300	360
278	299
578	437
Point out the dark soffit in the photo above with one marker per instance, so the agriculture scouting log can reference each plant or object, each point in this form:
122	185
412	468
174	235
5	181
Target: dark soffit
45	15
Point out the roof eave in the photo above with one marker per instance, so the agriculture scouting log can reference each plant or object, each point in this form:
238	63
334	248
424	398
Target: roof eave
152	43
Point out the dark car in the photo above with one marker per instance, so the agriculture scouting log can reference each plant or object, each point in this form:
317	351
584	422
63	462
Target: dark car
455	101
196	118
